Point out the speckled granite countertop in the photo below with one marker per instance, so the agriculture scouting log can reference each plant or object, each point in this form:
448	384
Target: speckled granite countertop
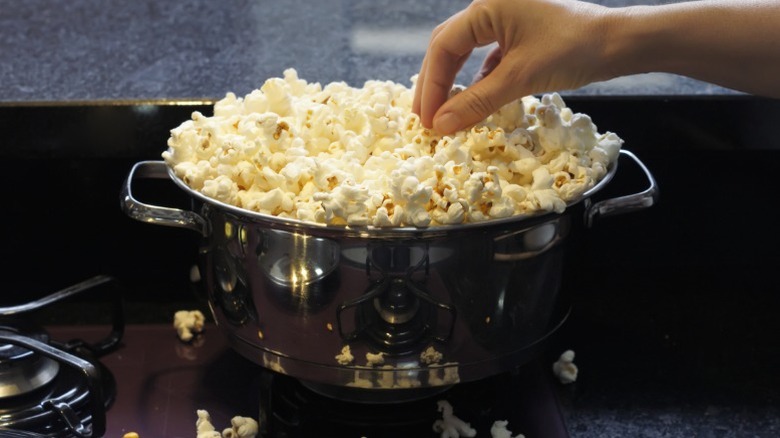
83	50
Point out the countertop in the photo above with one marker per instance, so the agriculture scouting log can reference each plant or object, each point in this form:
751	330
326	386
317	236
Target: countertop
92	50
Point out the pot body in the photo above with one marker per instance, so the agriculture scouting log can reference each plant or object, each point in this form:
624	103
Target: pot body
418	308
291	300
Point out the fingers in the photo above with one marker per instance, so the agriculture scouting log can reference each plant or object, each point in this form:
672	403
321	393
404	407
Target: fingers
418	91
478	101
437	85
450	46
418	88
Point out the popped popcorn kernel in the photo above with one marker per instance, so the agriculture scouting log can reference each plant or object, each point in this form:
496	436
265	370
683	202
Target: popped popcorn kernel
499	430
345	357
188	324
449	425
565	369
430	356
240	427
374	359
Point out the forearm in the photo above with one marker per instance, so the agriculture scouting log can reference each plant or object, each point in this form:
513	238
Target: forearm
735	44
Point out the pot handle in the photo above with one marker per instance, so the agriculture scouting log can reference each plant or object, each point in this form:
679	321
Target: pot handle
627	203
153	214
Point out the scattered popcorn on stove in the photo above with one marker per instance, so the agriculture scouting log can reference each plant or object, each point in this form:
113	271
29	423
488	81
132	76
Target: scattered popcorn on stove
341	155
564	368
188	323
430	356
499	430
241	427
345	357
450	426
203	426
375	359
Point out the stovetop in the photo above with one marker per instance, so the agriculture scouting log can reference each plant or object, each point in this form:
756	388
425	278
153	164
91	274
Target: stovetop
95	380
162	382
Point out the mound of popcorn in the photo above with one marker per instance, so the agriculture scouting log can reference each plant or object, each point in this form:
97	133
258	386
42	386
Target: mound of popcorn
342	155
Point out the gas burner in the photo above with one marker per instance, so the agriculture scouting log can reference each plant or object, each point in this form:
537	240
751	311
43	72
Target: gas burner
64	406
53	388
22	370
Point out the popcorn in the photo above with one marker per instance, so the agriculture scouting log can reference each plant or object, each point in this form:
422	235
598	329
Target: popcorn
450	426
375	359
564	368
241	427
203	426
430	356
188	323
345	357
499	430
347	156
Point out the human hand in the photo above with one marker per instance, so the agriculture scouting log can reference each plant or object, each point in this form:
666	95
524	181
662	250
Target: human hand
542	46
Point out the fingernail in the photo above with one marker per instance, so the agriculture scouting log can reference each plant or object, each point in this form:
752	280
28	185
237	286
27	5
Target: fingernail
446	123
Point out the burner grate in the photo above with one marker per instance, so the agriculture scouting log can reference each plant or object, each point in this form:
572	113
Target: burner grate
54	388
42	410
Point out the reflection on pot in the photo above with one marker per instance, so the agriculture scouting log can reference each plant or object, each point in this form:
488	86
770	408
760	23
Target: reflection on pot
229	288
516	295
301	269
396	314
296	260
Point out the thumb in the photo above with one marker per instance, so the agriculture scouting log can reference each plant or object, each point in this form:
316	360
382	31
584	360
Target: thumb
475	103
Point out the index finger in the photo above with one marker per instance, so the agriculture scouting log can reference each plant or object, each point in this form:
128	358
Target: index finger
449	49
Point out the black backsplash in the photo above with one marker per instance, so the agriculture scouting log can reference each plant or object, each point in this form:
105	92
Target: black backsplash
715	160
64	168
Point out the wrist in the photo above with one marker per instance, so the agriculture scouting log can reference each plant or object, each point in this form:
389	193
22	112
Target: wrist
625	42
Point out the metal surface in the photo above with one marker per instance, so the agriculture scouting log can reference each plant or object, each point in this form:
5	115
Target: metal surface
25	372
624	204
90	376
290	295
33	365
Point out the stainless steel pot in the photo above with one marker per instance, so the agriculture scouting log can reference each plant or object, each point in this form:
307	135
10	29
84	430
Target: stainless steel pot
290	295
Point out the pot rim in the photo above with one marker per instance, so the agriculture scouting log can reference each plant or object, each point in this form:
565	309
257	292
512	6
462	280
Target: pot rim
370	231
